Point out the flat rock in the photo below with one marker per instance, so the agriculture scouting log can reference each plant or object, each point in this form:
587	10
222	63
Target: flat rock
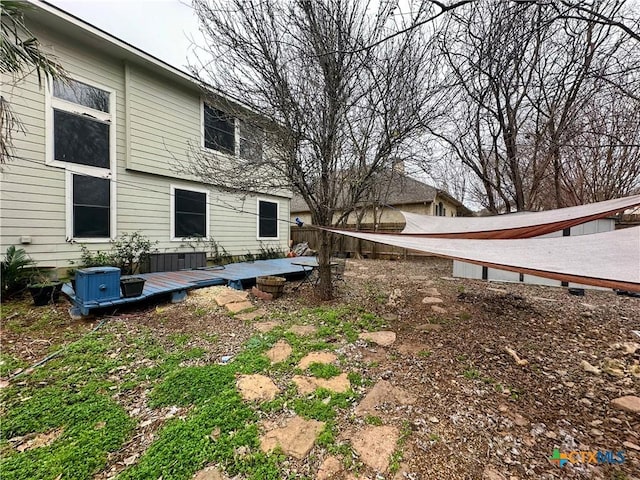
375	445
491	473
316	357
264	327
384	339
383	392
279	352
438	309
223	296
237	307
411	348
256	387
249	316
629	403
330	469
587	367
303	330
306	385
431	300
209	473
432	292
428	327
296	438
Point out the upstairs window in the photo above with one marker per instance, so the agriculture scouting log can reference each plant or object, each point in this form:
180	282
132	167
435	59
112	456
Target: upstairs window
219	130
190	213
81	124
267	219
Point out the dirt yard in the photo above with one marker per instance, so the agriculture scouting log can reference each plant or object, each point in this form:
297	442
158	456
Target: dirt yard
464	380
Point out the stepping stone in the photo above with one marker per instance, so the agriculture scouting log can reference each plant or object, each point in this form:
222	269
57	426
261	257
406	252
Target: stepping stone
256	388
384	339
265	327
303	330
306	385
412	348
296	438
629	403
431	300
428	327
228	295
237	307
247	317
209	473
330	469
375	445
438	309
381	393
317	357
279	352
432	292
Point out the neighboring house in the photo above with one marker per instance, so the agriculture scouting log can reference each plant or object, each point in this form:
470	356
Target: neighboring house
395	191
99	154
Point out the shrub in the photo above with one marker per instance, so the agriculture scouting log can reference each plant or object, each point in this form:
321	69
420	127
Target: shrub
129	251
15	271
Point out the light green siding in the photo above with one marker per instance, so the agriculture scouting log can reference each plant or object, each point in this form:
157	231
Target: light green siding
155	122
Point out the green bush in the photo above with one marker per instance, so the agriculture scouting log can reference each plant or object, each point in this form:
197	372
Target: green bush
15	271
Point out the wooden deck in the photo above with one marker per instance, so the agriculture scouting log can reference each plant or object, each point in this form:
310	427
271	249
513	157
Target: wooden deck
237	275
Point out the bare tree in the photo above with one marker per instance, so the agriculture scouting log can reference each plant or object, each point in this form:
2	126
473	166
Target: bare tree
521	77
331	114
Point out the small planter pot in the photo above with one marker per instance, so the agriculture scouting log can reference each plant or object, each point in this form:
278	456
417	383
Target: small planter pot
45	293
132	286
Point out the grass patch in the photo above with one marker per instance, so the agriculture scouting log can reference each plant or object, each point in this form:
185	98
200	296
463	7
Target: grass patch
192	385
10	364
179	339
322	404
373	420
93	425
324	370
471	373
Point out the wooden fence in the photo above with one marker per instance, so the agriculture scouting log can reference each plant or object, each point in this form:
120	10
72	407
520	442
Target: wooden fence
355	246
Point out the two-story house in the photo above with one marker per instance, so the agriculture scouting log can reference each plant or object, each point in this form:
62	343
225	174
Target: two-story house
99	153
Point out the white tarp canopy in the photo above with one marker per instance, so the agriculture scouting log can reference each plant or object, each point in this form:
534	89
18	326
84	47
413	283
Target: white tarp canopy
609	259
513	225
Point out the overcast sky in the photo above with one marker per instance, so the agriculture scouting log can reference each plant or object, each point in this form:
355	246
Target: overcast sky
159	27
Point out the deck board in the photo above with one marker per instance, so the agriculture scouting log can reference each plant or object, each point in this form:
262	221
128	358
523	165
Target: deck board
162	283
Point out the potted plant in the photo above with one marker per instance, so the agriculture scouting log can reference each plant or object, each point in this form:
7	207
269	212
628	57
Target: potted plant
131	286
44	290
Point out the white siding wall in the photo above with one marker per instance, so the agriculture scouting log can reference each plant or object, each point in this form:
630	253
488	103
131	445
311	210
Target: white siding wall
163	118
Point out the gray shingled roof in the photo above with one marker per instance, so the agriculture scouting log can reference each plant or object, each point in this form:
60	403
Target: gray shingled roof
402	191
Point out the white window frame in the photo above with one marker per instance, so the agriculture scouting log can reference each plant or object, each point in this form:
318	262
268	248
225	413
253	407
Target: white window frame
52	102
172	223
264	199
236	133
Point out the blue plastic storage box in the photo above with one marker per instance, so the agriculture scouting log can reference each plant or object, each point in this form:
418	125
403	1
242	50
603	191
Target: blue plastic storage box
98	284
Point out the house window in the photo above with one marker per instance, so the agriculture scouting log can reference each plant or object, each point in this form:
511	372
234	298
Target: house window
267	219
80	120
91	207
81	124
219	130
190	213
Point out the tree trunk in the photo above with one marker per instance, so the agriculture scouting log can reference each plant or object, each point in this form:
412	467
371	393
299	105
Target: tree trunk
325	287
